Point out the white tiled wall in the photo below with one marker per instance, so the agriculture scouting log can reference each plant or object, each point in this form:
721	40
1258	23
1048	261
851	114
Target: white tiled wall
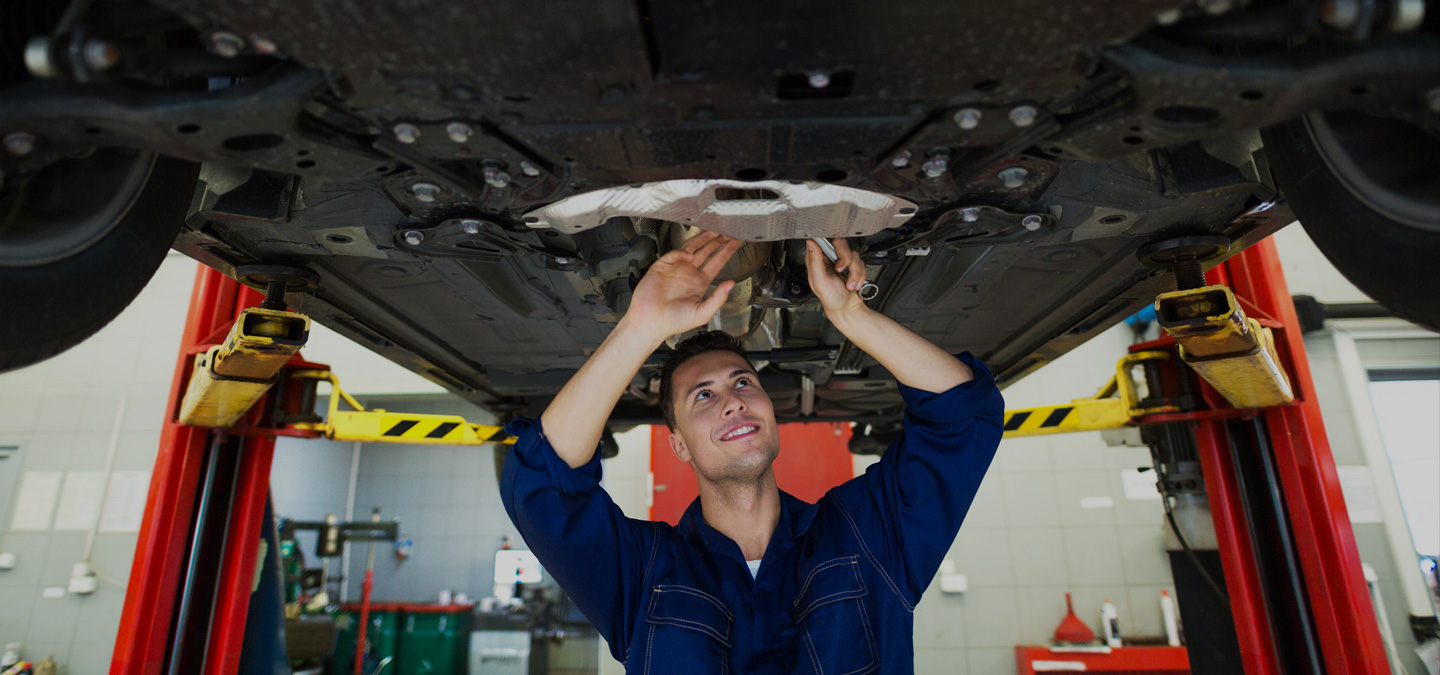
61	412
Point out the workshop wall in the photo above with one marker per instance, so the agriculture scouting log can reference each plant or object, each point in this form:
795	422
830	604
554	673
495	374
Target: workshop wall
310	479
61	414
1027	539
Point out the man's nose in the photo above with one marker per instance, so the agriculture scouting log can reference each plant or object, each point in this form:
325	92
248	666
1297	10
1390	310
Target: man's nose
733	404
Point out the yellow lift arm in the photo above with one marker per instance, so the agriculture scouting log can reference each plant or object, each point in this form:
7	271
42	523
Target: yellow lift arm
383	426
1116	405
1113	407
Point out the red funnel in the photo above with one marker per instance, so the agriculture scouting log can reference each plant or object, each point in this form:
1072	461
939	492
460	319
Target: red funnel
1071	628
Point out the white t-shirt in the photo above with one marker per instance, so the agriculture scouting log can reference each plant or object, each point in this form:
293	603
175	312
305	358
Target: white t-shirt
754	567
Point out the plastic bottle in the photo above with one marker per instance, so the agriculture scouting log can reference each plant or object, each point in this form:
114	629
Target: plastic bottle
1110	623
1167	613
11	657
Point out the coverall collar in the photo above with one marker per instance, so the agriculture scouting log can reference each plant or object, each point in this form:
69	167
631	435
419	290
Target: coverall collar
795	519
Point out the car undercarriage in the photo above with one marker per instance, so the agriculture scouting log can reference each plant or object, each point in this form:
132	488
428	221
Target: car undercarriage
477	189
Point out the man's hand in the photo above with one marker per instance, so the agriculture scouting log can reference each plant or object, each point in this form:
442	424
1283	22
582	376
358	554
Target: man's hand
670	298
912	359
836	286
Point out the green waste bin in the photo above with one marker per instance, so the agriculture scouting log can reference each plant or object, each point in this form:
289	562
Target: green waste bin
434	639
383	636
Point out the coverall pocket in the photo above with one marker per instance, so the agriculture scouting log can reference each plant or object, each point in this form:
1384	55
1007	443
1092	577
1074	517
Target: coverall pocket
689	629
836	631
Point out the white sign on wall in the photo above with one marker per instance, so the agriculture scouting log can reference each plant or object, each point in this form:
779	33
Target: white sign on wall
35	501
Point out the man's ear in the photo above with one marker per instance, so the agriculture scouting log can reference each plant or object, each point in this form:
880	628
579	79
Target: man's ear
677	446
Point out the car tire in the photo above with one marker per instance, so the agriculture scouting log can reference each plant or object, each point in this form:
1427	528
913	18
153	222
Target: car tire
1385	244
54	304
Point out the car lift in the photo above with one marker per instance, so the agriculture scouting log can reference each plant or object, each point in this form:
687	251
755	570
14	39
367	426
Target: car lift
1291	570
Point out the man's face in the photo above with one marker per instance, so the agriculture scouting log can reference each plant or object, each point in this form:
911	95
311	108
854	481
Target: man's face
725	423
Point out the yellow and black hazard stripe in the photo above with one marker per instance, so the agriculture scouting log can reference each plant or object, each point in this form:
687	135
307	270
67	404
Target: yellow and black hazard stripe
413	428
378	426
1081	415
1017	419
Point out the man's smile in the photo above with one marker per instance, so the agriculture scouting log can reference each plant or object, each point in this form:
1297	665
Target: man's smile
740	431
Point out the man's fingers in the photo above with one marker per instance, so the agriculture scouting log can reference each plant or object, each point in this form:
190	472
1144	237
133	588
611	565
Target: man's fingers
696	242
847	262
856	270
712	304
676	256
717	260
708	249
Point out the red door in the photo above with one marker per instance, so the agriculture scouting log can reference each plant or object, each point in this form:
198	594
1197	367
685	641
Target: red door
814	457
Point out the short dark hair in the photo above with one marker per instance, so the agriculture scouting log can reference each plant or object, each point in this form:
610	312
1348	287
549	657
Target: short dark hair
689	348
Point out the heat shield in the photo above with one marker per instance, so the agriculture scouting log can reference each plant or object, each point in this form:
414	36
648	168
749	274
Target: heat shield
748	210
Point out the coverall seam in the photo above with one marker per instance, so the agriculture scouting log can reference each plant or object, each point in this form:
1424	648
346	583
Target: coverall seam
873	561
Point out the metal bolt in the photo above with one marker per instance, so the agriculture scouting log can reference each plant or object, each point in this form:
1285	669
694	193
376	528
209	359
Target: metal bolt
968	118
1407	15
819	79
1013	177
1189	273
1214	7
1031	222
100	55
406	132
458	131
901	160
414	237
469	226
1023	115
425	192
1168	17
226	44
970	214
19	143
496	178
1432	98
38	59
936	166
528	169
264	45
1340	14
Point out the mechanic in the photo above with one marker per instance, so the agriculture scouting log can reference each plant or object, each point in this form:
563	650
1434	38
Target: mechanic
752	580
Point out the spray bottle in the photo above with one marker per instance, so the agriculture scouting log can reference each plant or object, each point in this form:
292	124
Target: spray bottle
1167	613
1110	623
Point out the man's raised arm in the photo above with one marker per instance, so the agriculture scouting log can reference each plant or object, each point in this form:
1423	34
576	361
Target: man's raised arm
670	299
913	360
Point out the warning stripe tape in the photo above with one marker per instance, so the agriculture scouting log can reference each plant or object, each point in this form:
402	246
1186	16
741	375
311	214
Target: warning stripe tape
1078	415
388	427
1016	420
448	430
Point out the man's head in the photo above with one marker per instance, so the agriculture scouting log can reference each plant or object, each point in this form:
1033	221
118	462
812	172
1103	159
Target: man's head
722	423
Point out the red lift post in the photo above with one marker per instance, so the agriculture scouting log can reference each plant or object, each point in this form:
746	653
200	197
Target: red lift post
190	581
189	588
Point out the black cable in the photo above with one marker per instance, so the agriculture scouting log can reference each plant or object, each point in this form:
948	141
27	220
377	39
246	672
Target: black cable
1175	527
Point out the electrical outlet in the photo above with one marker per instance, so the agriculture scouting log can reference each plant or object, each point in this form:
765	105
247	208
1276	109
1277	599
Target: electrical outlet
7	561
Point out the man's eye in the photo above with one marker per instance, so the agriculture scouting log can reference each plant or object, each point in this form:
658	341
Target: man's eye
702	395
742	382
